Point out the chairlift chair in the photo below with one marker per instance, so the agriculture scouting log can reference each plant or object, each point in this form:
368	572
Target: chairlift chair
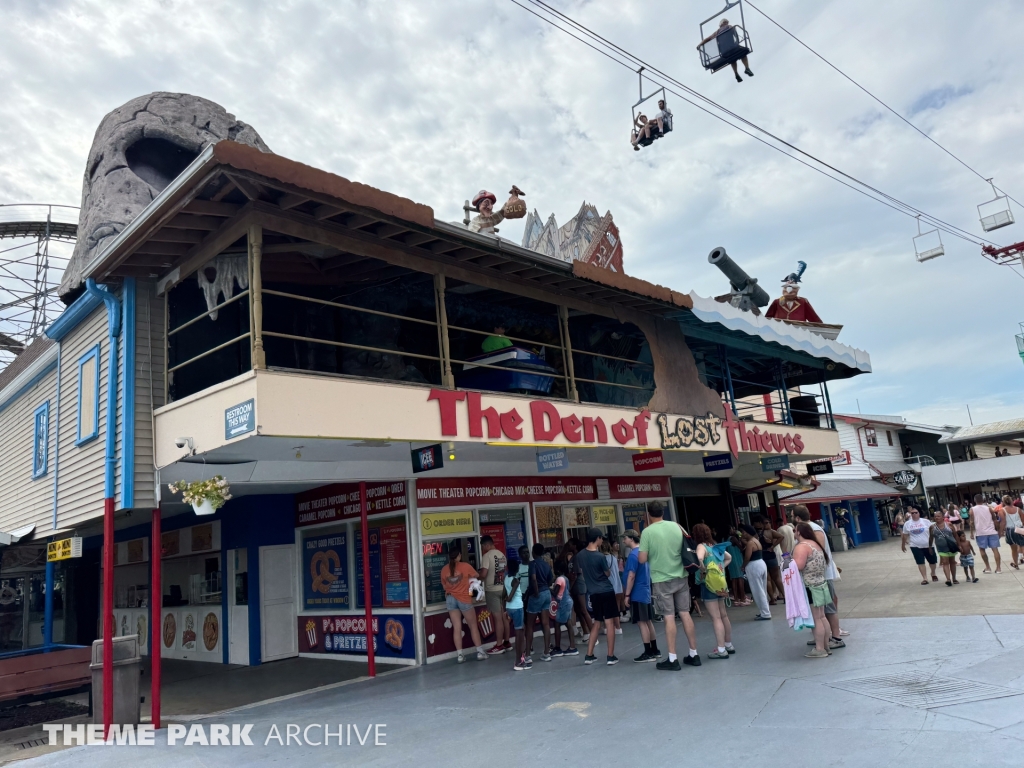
995	213
729	46
928	245
657	95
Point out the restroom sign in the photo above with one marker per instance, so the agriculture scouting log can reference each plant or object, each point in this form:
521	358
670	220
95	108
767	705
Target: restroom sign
239	419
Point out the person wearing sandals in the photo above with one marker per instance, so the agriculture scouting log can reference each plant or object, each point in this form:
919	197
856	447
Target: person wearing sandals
714	601
811	559
946	546
917	532
756	571
1013	521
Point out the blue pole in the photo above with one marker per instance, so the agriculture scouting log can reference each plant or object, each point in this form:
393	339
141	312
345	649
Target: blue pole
48	611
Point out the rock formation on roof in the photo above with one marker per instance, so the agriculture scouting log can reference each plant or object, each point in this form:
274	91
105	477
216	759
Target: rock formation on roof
587	237
138	150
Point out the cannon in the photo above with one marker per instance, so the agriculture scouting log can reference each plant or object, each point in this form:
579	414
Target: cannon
746	293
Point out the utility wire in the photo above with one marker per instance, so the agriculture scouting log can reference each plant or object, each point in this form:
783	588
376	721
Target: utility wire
977	173
608	48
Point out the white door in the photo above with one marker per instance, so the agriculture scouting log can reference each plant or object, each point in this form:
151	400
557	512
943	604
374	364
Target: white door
238	607
279	637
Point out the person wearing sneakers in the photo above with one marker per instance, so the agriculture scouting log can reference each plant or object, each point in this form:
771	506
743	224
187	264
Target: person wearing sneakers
561	602
918	533
603	606
811	559
455	578
661	546
538	600
492	574
987	522
707	552
637	597
512	597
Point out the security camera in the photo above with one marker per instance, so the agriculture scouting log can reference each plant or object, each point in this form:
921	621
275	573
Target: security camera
182	442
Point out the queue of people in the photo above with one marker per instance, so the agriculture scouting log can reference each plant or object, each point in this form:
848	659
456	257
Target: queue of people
658	576
951	532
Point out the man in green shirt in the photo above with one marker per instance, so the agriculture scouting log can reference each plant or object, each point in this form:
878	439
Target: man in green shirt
661	545
498	341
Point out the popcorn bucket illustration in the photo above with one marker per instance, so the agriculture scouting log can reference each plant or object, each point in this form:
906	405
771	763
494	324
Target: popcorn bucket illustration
311	633
485	620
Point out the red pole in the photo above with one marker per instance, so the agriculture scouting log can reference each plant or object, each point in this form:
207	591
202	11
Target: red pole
366	581
156	601
107	617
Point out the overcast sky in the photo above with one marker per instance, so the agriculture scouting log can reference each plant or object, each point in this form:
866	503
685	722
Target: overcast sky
435	99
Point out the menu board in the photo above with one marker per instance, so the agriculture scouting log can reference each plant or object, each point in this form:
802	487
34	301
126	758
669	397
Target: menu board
496	532
395	565
376	595
325	572
635	516
435	557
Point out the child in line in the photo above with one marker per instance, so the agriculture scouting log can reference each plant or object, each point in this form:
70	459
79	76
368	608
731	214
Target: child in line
561	603
512	596
735	572
966	557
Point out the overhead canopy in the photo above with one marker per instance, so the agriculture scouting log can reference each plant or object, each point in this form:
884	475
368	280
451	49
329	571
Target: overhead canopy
1012	429
842	490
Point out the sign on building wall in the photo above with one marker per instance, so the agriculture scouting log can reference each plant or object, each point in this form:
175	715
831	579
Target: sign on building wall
340	501
325	572
473	491
819	467
553	460
774	463
239	419
717	462
427	458
643	462
64	549
392	635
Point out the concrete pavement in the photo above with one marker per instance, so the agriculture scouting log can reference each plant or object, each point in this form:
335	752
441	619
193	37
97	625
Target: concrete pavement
911	691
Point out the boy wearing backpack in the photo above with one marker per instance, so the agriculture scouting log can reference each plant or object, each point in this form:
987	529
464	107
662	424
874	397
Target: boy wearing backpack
714	589
512	597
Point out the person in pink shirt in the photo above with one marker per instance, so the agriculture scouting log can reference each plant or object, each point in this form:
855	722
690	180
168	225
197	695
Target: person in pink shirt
988	523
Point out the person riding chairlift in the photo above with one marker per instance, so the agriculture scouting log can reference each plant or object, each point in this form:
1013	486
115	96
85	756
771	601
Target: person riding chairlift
643	134
724	27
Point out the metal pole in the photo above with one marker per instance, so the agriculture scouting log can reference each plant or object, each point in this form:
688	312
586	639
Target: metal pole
367	595
259	358
48	607
952	466
447	379
156	592
728	376
563	321
785	396
107	617
828	402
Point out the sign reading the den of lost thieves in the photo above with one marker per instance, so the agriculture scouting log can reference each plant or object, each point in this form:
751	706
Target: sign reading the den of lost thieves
542	421
239	419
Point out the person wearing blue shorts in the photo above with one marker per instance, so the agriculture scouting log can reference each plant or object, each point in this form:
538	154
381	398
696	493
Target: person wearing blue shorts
562	604
512	596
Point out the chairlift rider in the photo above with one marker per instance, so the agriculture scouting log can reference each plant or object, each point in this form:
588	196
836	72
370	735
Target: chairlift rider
646	131
724	28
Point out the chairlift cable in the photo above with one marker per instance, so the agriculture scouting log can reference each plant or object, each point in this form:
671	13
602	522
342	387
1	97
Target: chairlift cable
977	173
890	201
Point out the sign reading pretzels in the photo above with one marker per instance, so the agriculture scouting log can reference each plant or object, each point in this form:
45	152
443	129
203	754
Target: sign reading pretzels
322	571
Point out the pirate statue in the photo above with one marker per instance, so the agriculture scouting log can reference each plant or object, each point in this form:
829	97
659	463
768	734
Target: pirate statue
790	306
487	218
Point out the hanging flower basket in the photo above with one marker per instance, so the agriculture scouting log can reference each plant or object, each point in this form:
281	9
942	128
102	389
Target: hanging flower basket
205	496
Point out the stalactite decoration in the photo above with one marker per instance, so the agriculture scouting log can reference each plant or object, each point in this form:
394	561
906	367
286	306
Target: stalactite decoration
229	270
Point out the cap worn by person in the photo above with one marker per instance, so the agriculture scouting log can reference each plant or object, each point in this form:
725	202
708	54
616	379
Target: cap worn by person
482	195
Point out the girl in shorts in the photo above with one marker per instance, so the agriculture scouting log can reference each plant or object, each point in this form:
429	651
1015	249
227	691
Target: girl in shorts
562	612
714	602
455	579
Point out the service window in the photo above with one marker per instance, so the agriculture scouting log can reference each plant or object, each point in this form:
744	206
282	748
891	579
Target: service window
441	530
549	527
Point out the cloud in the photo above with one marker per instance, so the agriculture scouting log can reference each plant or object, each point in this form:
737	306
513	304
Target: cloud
438	98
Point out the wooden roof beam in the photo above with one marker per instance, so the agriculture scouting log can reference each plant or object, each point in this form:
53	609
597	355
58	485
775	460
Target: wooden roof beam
212	208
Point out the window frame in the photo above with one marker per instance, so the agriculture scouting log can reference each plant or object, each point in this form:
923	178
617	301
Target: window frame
92	354
871	437
40	471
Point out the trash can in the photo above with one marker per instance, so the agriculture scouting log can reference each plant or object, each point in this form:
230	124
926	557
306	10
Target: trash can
837	539
127	672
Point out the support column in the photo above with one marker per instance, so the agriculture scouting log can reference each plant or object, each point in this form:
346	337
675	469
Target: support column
563	325
259	358
156	591
447	378
828	402
107	616
48	606
787	415
367	592
724	354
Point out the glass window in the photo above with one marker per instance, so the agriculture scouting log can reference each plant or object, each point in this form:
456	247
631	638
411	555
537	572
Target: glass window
40	439
88	395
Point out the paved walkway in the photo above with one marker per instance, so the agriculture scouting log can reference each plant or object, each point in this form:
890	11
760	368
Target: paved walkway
907	691
879	580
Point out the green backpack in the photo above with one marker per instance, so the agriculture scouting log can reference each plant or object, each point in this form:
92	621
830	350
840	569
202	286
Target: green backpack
714	576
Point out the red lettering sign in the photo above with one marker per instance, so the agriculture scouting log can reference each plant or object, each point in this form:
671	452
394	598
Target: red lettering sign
753	440
341	500
643	462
